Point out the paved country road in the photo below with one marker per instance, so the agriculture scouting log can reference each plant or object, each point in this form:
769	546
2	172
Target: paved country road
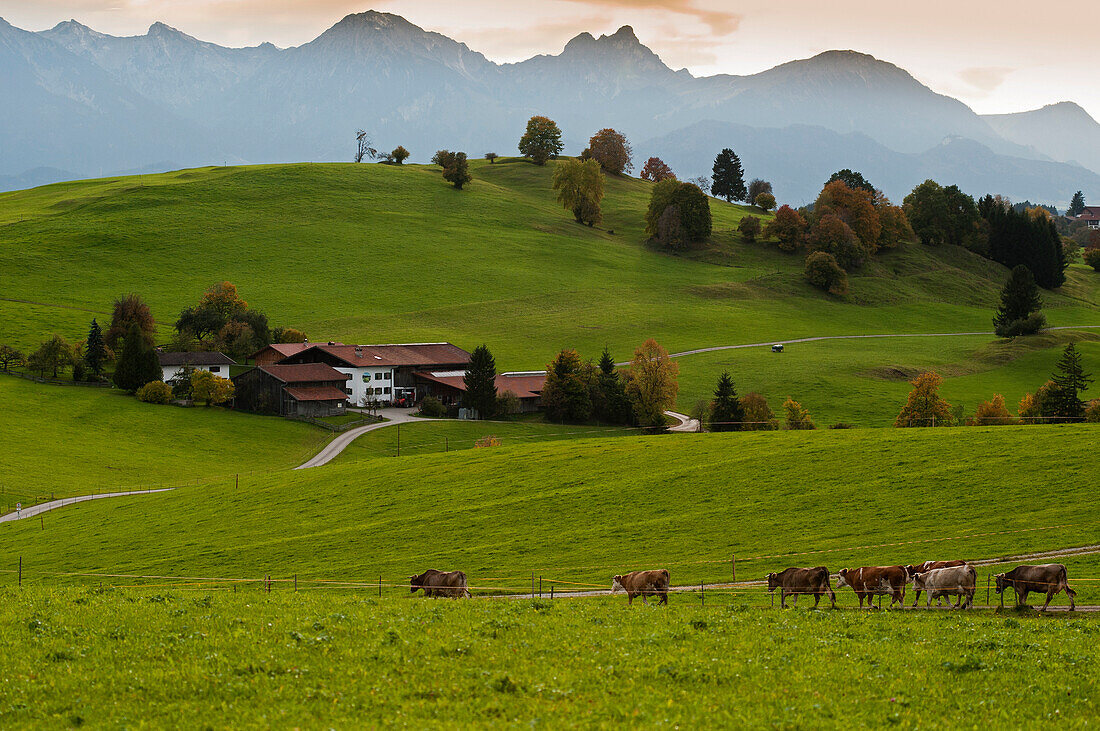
339	444
33	510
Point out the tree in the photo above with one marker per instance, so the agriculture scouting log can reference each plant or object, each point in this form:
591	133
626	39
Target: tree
480	383
541	141
363	147
567	393
1015	237
54	355
611	404
678	214
1092	411
656	170
580	189
611	150
895	224
758	186
137	364
1092	258
823	272
764	201
1069	381
205	386
652	383
944	216
758	415
1019	313
795	416
855	207
924	406
831	235
456	169
9	357
992	413
1077	205
750	228
726	411
399	155
702	182
155	392
789	227
853	180
491	157
95	349
129	310
218	320
728	177
287	335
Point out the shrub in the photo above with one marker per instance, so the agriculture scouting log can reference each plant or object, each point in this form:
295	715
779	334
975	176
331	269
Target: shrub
750	228
1091	257
488	441
823	272
1035	406
795	416
205	386
789	227
758	415
508	404
155	392
992	413
432	407
399	154
842	425
1092	411
765	201
1029	325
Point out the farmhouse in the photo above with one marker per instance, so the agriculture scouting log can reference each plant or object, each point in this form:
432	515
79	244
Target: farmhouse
311	389
383	372
1091	216
450	386
171	364
277	352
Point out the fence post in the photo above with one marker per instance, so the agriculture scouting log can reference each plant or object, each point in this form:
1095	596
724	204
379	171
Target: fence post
540	587
702	595
20	571
236	482
379	586
532	584
987	588
295	583
446	444
399	439
733	566
551	592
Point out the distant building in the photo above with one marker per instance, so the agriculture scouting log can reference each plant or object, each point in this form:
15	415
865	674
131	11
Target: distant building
173	363
1091	216
450	386
311	389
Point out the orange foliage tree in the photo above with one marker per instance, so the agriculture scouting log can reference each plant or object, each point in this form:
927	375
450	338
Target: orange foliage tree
925	406
992	413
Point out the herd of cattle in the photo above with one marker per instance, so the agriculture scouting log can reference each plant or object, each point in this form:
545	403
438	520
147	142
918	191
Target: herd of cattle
938	579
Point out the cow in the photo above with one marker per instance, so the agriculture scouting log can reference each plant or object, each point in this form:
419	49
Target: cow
868	581
440	583
1048	578
643	584
795	581
958	580
929	566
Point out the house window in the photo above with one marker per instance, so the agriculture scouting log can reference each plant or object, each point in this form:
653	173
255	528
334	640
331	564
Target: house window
389	376
366	378
347	391
387	389
215	369
378	376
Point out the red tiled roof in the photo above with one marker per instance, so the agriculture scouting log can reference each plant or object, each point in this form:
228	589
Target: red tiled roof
1091	213
285	349
315	393
525	385
412	354
304	373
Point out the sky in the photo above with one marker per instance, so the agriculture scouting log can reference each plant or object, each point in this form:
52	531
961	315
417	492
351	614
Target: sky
995	55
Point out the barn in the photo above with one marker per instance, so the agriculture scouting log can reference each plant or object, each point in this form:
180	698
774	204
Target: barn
310	389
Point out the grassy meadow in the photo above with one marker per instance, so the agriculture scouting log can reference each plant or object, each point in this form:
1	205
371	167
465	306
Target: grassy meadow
147	657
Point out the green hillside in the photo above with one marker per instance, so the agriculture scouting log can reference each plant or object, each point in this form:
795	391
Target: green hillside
580	511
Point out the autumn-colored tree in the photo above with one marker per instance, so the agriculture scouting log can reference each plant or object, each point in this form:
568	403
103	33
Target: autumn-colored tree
758	415
1036	407
580	189
205	386
823	272
222	298
457	170
764	201
750	228
795	416
541	141
130	310
652	383
925	406
758	186
832	235
1092	411
1091	257
895	225
155	392
399	154
789	227
992	413
854	207
656	170
287	335
570	385
611	150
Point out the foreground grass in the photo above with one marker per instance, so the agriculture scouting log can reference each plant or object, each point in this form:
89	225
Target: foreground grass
582	510
64	441
151	658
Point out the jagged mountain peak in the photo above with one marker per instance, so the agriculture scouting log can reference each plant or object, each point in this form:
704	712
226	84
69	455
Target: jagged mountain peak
620	52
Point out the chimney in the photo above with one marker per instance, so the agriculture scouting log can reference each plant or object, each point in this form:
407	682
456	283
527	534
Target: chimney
358	352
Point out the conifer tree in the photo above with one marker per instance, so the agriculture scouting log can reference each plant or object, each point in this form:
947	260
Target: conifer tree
613	405
1020	300
1077	205
480	383
1069	380
95	349
728	177
727	413
137	365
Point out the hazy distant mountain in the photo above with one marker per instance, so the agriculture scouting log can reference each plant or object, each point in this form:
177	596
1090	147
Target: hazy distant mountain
93	103
1064	132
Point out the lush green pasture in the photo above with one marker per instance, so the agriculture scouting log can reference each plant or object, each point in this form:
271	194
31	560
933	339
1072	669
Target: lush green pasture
581	511
244	660
72	440
865	382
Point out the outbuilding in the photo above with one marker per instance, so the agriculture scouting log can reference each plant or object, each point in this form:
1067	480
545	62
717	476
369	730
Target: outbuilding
309	389
173	364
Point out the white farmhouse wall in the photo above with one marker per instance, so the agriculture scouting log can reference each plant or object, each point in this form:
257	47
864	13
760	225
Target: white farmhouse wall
222	371
363	389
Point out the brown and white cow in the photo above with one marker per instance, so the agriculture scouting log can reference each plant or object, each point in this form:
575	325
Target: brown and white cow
913	570
440	583
643	584
868	581
1048	578
952	580
795	581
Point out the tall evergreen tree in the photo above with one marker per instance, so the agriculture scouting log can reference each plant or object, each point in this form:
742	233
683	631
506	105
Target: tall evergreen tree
727	412
1077	205
480	382
95	349
1019	300
728	177
1069	380
137	365
613	405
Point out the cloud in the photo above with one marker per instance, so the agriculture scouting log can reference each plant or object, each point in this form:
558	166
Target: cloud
720	22
985	78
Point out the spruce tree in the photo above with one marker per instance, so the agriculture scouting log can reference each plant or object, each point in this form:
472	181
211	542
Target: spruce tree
1069	380
613	405
1077	205
728	177
727	412
95	349
1019	300
480	382
137	365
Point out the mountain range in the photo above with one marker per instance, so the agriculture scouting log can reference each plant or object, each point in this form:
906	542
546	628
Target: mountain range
91	104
